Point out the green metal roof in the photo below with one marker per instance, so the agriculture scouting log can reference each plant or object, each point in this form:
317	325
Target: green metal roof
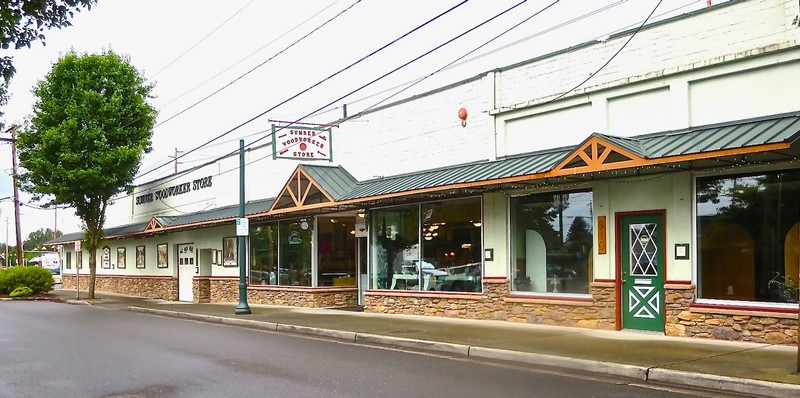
512	166
758	131
336	181
721	136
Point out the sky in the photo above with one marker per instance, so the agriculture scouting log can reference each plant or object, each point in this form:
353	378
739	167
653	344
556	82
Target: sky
227	69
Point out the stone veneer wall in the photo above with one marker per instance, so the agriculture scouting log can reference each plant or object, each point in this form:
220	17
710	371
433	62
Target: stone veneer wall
227	290
598	312
725	323
152	287
496	303
201	289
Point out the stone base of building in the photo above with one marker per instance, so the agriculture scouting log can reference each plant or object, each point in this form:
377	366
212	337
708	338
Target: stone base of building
201	289
227	290
686	318
599	311
142	286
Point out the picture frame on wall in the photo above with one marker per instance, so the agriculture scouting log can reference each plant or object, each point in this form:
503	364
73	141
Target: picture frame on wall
163	258
229	250
140	257
121	258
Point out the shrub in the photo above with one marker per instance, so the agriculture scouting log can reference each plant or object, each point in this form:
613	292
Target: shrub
38	279
22	291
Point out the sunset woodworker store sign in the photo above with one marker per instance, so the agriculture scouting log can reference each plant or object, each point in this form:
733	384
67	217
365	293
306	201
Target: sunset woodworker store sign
174	190
306	143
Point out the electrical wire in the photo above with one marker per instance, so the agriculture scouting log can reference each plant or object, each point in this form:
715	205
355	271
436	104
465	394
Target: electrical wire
564	94
560	25
318	83
200	41
257	66
251	54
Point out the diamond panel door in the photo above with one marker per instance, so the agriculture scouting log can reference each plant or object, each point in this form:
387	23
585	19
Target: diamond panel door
642	273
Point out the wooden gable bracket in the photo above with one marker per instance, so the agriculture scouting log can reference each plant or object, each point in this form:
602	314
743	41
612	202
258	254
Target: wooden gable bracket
153	225
298	188
597	154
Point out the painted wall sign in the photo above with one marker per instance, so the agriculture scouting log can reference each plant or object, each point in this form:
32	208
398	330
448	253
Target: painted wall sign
174	190
306	143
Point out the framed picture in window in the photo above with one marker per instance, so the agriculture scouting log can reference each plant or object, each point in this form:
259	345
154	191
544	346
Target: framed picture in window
121	258
163	261
229	250
140	256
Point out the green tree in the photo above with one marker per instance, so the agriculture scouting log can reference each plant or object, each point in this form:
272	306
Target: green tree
24	21
84	144
38	237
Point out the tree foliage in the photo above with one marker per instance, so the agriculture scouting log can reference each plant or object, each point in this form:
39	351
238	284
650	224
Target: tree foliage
38	237
91	126
22	22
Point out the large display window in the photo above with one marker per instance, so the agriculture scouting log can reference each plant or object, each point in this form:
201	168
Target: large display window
433	246
281	253
552	242
748	235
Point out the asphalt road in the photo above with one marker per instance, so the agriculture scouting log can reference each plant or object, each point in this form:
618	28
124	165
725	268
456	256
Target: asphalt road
50	349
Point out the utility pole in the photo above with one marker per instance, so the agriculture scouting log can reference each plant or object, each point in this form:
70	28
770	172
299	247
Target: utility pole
175	160
13	141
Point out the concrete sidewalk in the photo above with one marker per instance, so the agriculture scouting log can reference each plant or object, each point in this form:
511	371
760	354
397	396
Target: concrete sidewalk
745	368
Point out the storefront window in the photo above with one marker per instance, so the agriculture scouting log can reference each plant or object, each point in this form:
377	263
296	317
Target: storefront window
747	237
451	245
431	247
264	254
280	253
393	231
295	252
552	243
336	251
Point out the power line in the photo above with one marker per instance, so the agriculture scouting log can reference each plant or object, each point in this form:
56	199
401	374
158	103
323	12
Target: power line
257	66
564	94
558	26
251	54
200	41
420	80
322	81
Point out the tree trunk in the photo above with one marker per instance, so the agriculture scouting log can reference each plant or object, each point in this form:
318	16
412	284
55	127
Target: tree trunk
92	271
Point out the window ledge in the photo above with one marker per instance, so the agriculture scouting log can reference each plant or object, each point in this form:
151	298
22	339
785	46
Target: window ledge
771	310
424	294
559	299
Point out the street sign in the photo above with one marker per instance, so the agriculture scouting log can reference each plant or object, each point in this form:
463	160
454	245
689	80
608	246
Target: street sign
242	227
77	246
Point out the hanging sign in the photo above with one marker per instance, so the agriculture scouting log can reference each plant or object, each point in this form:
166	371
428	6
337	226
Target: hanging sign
302	143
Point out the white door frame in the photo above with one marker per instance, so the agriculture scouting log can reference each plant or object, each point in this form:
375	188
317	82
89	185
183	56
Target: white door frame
187	269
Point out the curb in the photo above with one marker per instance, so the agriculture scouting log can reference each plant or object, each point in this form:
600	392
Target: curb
633	372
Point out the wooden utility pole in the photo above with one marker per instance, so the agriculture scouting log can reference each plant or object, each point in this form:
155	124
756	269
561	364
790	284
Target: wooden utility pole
13	141
16	194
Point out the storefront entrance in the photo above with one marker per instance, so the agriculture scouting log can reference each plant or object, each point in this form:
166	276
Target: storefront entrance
187	269
642	270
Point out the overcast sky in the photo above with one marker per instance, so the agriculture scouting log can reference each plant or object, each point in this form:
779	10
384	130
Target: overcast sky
257	54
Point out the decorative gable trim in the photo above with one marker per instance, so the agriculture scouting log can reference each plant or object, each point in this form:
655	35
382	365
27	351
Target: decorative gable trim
153	225
597	154
300	191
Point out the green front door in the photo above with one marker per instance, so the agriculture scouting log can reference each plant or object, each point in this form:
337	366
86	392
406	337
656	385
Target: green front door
642	251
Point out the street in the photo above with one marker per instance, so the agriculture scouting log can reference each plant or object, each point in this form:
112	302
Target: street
50	349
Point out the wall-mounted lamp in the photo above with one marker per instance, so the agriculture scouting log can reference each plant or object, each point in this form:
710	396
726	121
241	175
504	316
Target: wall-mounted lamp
477	224
361	214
